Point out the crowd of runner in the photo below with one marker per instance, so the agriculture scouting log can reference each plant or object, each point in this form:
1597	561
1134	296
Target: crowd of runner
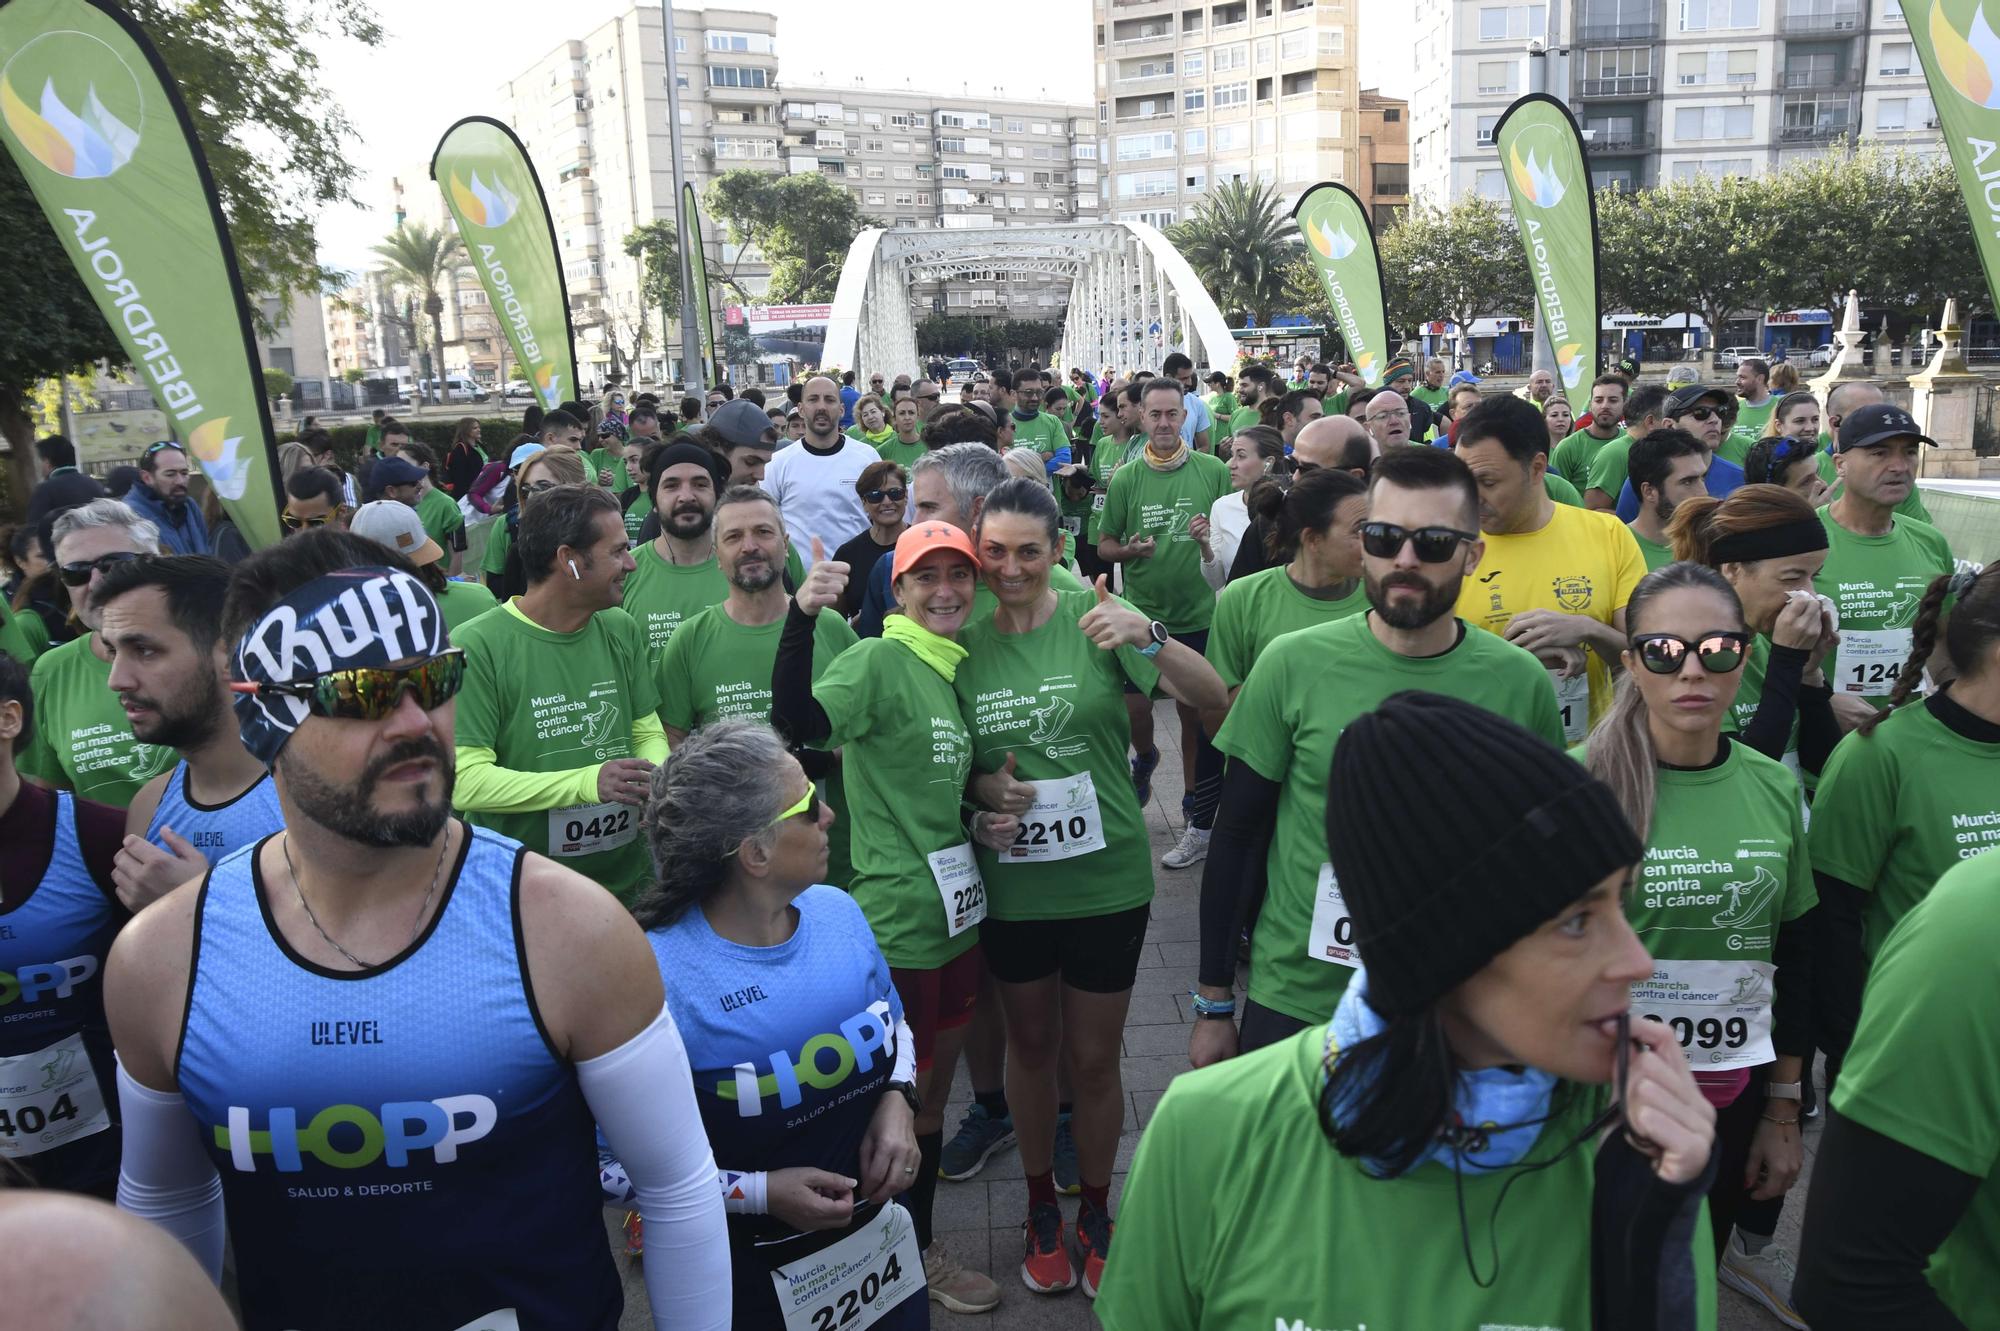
640	818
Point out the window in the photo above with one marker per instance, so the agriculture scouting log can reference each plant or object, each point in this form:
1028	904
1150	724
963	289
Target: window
900	146
735	76
1895	59
872	145
1159	67
875	198
1039	152
1139	147
1016	178
872	119
1042	202
1194	63
753	42
1083	152
1039	127
1020	127
1228	58
923	197
1614	177
1695	68
1333	41
1499	23
1292	45
1716	167
899	172
1267	133
1086	175
751	149
956	173
1892	113
925	171
1391	114
1016	151
1194	179
1489	185
1710	15
1194	99
1485	131
1230	138
1392	178
1499	76
1231	94
1693	124
1192	141
1160	219
1144	184
951	145
1264	54
873	171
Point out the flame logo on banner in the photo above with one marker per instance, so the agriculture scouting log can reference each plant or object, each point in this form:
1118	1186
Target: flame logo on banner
1569	360
1968	60
1371	373
215	449
1334	245
548	384
1538	181
483	204
83	146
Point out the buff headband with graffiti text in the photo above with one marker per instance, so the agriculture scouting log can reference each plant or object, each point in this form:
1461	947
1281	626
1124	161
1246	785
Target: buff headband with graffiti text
357	617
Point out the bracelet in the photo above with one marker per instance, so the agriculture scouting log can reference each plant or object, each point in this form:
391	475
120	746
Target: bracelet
1781	1122
1212	1007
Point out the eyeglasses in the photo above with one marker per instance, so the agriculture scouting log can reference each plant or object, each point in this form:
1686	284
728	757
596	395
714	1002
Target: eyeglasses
1434	545
540	487
925	397
78	573
898	495
1703	413
293	522
370	693
808	804
1663	653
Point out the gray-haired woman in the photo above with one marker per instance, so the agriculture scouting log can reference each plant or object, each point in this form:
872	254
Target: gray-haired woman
803	1064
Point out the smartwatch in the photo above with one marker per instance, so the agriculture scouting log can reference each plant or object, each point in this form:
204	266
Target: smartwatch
908	1092
1159	632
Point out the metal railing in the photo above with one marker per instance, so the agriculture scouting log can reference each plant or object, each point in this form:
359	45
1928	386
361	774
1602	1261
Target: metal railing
1823	132
1815	78
1621	142
1591	34
1621	85
1820	20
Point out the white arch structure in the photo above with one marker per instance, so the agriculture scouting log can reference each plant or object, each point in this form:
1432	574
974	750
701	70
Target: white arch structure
1133	298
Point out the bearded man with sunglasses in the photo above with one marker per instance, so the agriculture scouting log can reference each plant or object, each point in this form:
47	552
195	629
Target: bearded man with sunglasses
81	739
1419	546
314	497
170	669
1705	413
1556	577
383	1036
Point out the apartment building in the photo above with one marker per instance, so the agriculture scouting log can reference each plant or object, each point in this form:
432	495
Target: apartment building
1384	179
1192	93
1664	89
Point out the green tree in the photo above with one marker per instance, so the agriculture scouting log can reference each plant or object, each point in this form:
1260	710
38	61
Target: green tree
353	374
278	145
1457	263
1700	246
420	258
277	383
802	225
947	335
1239	241
657	247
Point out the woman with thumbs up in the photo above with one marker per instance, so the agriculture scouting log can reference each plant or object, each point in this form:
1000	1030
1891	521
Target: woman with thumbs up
1042	692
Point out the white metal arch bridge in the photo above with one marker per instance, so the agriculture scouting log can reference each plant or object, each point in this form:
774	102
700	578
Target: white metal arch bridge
1133	298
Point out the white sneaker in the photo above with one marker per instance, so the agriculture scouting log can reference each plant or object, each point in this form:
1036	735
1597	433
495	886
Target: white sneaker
1192	848
1766	1277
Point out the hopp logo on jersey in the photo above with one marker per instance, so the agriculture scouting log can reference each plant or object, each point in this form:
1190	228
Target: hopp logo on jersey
43	980
351	1137
824	1062
1550	190
1341	245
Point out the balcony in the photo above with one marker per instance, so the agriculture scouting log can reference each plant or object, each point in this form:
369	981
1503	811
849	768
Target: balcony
1796	21
1623	85
1596	34
1815	78
1619	141
1144	39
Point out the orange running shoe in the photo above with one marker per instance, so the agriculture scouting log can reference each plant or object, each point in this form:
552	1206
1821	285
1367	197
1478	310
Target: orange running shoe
1046	1269
1093	1241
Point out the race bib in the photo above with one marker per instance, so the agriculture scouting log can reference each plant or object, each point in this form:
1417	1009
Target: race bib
49	1098
1871	660
585	829
848	1286
1074	526
1719	1011
1573	703
1063	822
958	882
1097	502
1332	935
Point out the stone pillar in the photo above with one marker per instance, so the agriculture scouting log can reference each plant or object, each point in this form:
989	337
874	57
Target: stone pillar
1848	358
1943	397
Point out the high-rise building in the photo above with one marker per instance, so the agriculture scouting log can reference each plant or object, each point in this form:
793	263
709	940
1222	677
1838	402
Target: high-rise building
1384	180
1191	94
1664	89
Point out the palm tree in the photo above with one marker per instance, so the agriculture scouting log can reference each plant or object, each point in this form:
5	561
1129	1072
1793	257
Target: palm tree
421	258
1239	240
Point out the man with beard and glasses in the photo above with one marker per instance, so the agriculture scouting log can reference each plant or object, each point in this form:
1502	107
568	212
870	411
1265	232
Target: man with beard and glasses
81	740
161	497
1419	546
1667	467
719	662
558	726
162	622
381	1036
813	483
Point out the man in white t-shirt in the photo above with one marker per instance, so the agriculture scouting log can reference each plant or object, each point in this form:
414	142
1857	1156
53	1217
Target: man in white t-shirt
814	481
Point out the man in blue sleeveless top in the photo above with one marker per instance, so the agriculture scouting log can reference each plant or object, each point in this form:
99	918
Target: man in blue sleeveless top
382	1036
58	914
162	623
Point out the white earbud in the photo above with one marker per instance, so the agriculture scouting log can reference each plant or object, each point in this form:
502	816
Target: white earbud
572	571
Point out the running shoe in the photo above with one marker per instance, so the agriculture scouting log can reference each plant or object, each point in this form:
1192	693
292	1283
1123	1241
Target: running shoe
1142	774
1765	1277
1067	1181
1191	849
1093	1242
635	1234
1046	1269
979	1135
958	1289
1809	1096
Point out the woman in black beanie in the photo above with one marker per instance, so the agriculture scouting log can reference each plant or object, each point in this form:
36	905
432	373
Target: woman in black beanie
1447	1143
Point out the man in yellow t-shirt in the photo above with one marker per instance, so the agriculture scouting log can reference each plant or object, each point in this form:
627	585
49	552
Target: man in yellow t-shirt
1555	579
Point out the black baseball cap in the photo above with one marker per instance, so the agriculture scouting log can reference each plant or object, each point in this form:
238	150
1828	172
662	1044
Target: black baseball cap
1681	399
1876	422
740	423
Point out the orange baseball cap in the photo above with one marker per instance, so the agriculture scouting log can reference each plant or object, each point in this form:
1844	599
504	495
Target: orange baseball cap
920	542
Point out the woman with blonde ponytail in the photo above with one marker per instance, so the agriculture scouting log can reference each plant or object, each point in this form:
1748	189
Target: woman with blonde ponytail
1723	900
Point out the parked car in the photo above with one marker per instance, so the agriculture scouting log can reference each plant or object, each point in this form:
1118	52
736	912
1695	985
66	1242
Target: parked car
1821	356
518	390
1730	357
457	388
964	367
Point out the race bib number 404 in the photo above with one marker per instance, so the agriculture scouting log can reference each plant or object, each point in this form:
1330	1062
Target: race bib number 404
1719	1011
48	1098
849	1286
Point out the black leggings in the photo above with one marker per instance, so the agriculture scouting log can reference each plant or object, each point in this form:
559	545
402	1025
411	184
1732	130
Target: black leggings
1265	1026
1729	1202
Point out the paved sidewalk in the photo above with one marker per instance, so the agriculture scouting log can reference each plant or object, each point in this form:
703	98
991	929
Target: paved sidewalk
980	1219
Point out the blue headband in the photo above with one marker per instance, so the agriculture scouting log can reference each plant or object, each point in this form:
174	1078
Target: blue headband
368	616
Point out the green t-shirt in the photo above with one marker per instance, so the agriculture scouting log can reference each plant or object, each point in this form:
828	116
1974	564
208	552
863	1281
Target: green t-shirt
1655	554
1141	502
1106	457
875	440
636	514
1921	1069
1242	419
893	449
23	636
501	540
1234	1155
1752	420
1560	490
1736	445
1572	457
1913	507
1875	583
463	602
1223	407
441	519
1334	404
1610	467
82	741
1899	806
1045	434
1299	696
553	702
1431	397
906	754
598	461
1056	701
1253	611
661	596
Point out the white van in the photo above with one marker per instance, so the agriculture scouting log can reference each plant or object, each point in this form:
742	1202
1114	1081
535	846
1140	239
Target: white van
457	388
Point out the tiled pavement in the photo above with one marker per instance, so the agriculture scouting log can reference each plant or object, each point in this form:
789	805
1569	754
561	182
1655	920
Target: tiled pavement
980	1219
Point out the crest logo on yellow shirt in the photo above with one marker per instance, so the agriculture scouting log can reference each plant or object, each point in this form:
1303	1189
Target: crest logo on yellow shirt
1572	594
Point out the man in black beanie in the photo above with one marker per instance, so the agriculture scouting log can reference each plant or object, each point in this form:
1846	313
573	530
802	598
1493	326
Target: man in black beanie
1419	547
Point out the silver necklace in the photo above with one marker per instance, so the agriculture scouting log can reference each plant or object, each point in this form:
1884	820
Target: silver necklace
415	927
